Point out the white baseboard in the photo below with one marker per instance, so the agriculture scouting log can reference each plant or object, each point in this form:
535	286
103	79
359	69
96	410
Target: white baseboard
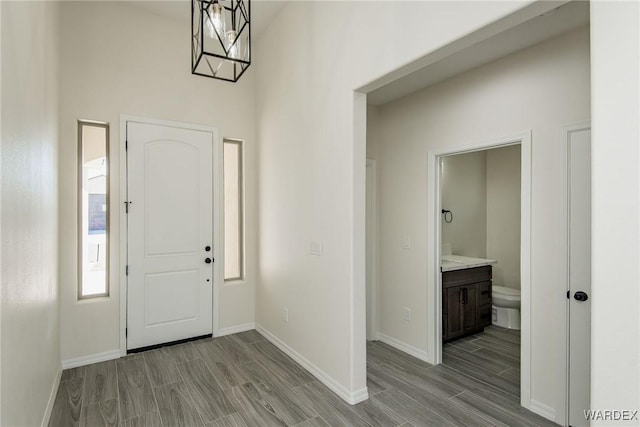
115	354
543	410
92	358
52	399
404	347
357	396
351	397
235	329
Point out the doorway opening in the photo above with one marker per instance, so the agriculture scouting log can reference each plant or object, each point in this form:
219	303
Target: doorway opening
480	243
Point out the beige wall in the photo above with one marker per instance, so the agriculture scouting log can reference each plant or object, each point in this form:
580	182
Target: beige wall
463	190
540	89
119	59
30	327
503	214
311	163
615	318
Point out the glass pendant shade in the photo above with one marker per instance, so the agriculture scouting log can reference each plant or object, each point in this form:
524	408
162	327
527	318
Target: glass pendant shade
220	38
215	20
232	44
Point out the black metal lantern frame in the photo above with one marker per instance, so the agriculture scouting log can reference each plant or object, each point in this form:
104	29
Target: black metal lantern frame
220	38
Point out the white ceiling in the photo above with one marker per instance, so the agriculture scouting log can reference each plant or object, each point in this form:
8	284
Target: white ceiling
262	11
567	17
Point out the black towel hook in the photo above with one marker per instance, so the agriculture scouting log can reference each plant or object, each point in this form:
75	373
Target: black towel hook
448	216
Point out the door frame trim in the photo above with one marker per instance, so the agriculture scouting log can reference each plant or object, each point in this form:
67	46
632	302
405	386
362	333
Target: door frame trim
562	402
434	282
218	224
371	242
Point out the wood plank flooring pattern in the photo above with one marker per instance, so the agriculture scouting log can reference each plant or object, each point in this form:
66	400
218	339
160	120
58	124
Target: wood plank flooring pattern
242	380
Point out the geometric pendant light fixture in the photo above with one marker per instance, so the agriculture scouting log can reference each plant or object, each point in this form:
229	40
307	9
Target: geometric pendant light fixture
220	38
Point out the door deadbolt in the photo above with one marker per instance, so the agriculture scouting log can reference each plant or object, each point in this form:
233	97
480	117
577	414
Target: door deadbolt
208	260
581	296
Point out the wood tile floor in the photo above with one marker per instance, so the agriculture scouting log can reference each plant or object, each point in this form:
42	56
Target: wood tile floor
492	357
243	380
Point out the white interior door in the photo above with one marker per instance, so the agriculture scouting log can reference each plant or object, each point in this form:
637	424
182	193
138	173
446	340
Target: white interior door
170	241
579	275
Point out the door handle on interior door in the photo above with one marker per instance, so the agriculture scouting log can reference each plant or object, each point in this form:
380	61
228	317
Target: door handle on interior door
463	296
208	260
581	296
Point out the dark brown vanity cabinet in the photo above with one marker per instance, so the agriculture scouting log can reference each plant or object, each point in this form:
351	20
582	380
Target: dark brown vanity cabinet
466	301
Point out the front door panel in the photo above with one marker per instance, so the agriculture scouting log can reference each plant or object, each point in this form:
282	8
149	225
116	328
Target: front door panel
170	195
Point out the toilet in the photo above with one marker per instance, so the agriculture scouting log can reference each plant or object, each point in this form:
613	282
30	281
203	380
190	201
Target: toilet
505	309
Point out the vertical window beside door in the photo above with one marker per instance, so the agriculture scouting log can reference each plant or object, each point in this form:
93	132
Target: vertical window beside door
233	211
93	209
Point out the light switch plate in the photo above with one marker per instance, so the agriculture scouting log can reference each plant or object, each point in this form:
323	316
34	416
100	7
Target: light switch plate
406	242
315	248
406	314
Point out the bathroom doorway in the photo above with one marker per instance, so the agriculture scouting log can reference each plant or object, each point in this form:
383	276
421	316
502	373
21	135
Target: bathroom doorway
486	202
480	246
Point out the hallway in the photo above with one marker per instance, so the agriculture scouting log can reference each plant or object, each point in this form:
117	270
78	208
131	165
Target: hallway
243	380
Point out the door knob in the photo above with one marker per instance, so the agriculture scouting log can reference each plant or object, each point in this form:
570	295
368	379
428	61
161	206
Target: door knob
581	296
208	260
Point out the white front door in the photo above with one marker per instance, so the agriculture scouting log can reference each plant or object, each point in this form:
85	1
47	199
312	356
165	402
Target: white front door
579	275
170	240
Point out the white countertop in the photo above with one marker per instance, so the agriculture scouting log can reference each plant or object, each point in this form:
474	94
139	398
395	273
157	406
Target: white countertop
459	262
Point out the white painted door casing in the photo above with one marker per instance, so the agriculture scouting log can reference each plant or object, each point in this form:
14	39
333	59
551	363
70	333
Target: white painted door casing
434	292
371	257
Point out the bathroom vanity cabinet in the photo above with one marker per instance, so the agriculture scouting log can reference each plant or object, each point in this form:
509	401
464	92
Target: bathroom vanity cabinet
466	301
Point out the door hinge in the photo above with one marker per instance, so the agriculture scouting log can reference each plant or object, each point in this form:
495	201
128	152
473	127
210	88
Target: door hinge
126	145
126	207
568	294
126	332
126	270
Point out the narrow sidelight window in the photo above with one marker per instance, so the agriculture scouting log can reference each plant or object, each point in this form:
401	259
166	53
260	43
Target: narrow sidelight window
93	209
233	211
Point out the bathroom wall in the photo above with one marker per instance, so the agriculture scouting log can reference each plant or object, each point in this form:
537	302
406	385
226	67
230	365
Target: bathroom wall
463	190
503	214
482	189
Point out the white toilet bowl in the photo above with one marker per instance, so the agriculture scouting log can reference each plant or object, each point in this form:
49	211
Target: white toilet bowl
505	310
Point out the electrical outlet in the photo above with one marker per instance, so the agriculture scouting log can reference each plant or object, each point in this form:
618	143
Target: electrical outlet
285	315
406	242
406	314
